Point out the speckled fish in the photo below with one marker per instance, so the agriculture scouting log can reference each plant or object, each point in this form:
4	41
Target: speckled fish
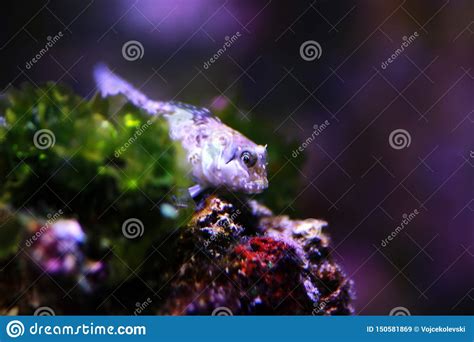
219	156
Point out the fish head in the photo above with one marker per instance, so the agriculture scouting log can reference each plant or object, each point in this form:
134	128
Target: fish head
240	164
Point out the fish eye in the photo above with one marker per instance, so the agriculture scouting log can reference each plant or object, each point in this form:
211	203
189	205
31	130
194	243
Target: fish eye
248	158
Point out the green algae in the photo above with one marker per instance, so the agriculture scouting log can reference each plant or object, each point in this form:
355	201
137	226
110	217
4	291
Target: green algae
105	162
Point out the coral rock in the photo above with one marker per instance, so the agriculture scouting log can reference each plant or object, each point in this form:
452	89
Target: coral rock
283	267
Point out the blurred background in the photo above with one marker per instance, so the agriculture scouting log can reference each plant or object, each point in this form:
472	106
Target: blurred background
357	89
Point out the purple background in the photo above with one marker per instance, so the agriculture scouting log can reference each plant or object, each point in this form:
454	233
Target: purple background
353	178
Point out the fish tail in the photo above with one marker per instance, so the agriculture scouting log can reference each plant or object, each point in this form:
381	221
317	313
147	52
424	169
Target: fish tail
110	84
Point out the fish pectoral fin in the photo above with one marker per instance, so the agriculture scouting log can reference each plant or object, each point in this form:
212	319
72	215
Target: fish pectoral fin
195	190
182	199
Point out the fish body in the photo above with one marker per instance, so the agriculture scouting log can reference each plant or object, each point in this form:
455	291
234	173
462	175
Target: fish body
219	156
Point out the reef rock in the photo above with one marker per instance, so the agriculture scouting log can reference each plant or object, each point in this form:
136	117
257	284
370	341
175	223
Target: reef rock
242	260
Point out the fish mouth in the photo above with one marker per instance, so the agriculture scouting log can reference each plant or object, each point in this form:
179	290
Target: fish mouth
257	186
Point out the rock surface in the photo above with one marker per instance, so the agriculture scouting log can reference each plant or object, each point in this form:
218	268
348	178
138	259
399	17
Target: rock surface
268	265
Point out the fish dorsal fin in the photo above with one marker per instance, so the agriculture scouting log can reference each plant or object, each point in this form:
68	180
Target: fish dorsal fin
110	84
197	112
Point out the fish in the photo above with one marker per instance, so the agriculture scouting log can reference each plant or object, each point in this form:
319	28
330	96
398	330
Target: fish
218	156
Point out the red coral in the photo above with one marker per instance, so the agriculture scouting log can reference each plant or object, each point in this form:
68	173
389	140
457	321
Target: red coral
261	253
269	273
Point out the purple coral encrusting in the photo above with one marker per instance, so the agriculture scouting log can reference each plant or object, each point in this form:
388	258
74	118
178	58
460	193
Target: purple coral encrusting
312	246
57	249
256	263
